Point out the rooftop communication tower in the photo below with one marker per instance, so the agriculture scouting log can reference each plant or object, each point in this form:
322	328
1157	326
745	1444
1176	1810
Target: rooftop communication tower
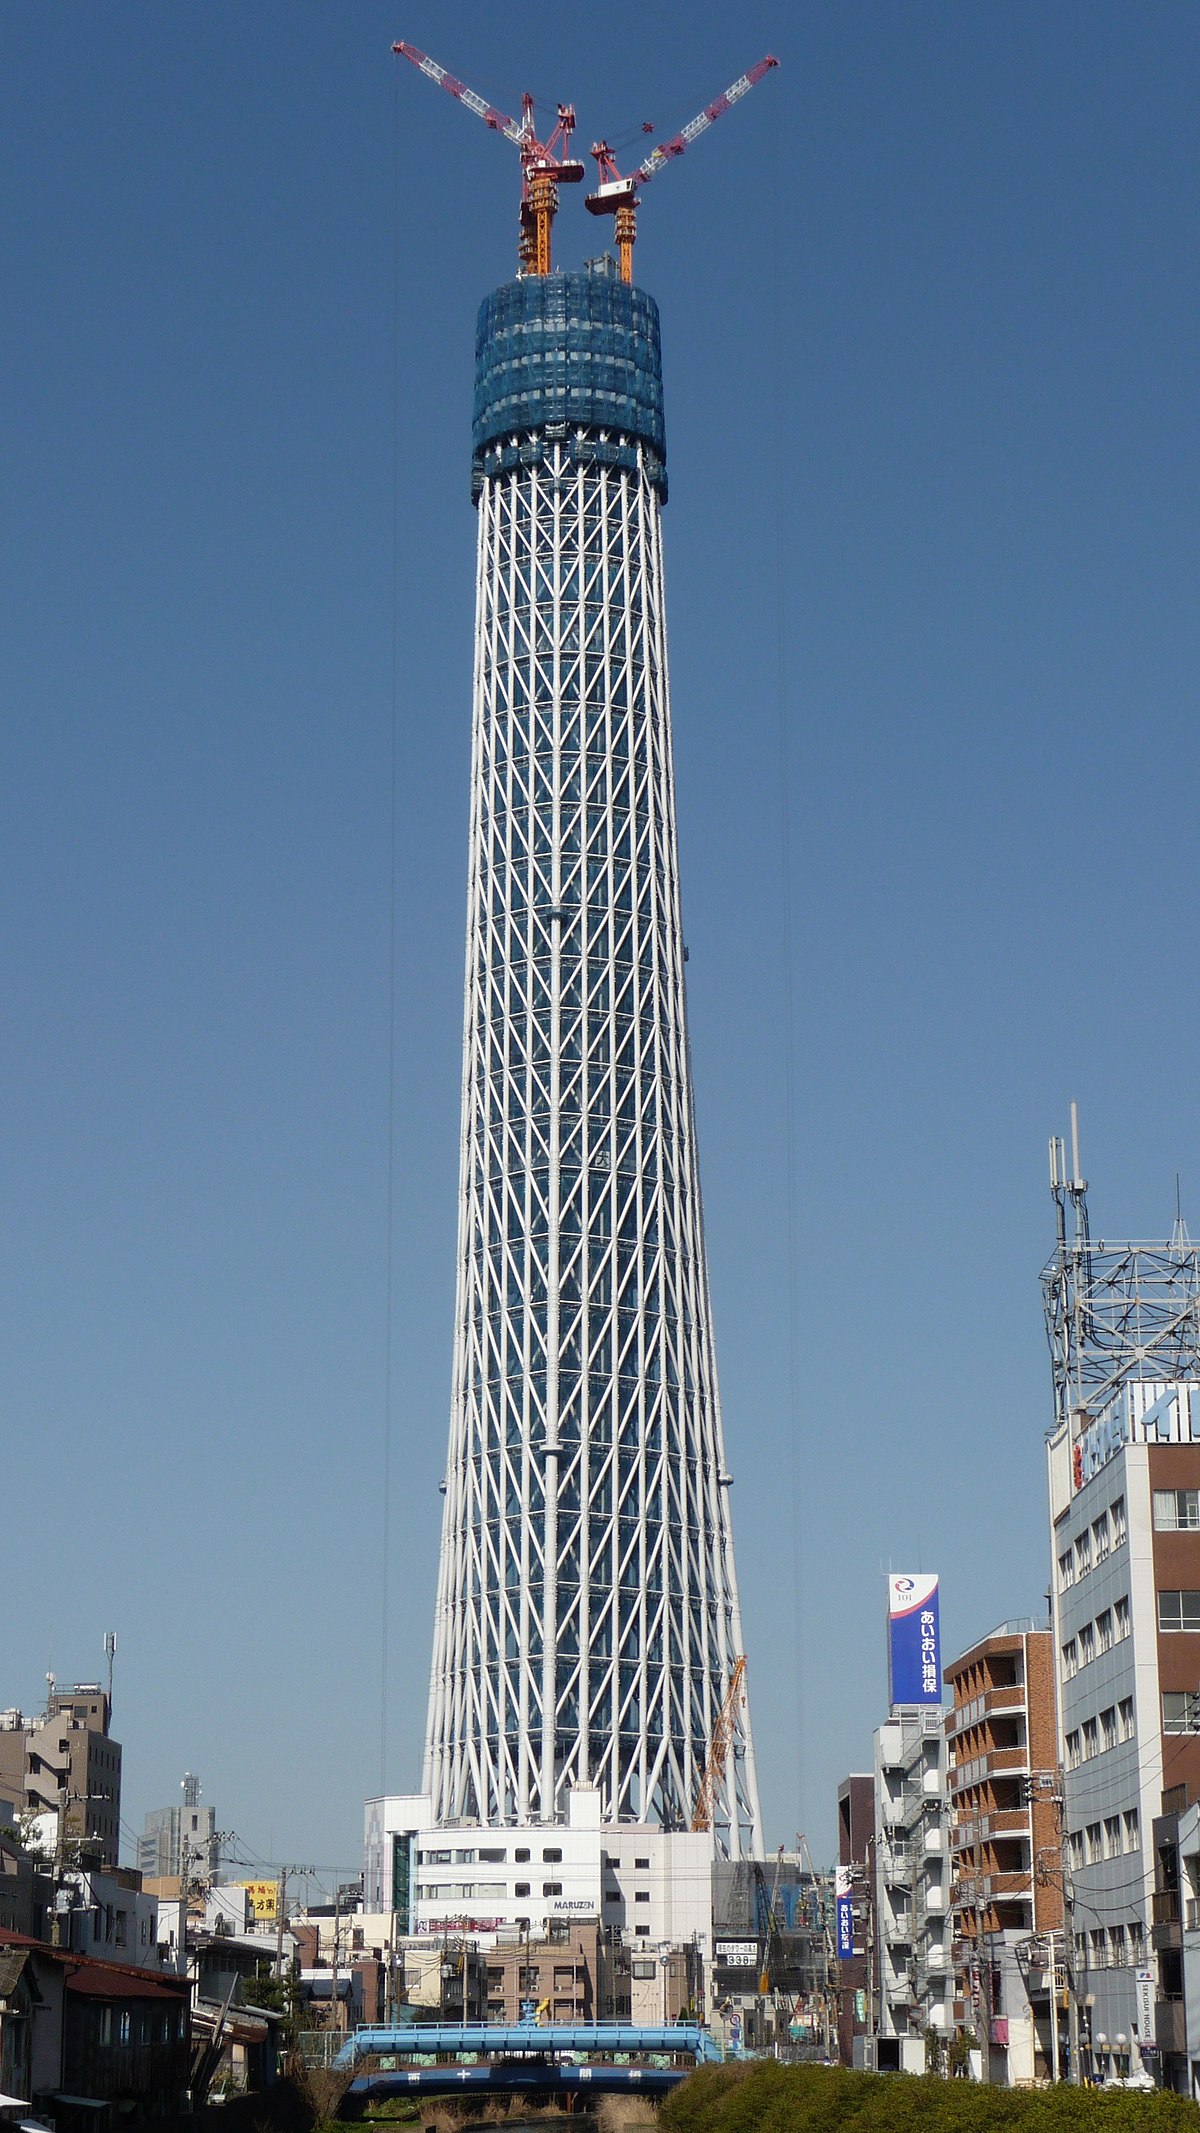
1116	1312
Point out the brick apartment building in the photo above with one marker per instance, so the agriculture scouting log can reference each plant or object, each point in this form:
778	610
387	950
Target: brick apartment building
1004	1845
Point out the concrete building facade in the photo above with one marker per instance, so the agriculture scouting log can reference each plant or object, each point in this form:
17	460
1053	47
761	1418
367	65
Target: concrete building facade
653	1885
67	1762
912	1889
1125	1516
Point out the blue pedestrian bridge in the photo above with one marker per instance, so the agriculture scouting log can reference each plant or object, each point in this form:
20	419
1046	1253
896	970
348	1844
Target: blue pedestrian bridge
498	2058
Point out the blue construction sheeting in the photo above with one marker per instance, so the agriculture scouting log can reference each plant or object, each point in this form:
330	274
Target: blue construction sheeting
573	352
499	2039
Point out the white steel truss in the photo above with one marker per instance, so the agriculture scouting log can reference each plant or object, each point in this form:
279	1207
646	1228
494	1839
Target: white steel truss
587	1620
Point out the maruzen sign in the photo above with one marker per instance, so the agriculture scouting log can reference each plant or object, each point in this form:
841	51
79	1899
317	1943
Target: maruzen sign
914	1655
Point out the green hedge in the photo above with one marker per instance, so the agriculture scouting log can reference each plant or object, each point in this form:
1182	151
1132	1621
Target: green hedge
765	2097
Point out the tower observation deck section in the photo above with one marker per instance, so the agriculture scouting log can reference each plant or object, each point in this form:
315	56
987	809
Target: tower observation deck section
587	1620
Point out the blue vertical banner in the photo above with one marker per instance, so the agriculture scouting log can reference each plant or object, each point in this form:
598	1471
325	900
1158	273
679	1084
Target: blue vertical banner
914	1649
844	1910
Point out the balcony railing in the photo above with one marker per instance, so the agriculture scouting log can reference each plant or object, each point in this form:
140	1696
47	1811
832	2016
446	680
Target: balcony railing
1165	1907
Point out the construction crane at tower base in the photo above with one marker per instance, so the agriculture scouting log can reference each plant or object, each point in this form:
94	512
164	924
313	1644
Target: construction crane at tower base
718	1753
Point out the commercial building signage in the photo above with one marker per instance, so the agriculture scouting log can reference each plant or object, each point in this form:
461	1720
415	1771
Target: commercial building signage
575	1903
1145	2007
740	1954
263	1898
462	1923
914	1652
844	1909
1098	1444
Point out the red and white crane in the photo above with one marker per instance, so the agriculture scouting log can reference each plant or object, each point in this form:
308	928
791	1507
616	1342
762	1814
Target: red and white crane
618	196
545	165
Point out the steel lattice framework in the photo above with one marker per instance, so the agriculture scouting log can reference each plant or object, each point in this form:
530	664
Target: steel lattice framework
1115	1312
587	1620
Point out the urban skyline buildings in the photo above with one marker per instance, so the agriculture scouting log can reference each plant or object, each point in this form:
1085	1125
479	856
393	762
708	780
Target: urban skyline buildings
587	1627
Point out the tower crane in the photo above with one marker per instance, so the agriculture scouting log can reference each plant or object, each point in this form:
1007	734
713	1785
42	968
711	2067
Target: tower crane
618	196
545	165
718	1753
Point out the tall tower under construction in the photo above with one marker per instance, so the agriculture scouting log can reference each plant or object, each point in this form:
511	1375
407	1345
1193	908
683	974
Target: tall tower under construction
588	1664
587	1624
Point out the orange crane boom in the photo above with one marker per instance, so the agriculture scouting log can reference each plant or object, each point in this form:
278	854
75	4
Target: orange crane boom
718	1754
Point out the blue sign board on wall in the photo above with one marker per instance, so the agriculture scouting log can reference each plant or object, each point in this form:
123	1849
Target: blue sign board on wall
844	1908
914	1652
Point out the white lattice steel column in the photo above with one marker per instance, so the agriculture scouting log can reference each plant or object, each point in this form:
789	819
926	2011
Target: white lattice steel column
587	1617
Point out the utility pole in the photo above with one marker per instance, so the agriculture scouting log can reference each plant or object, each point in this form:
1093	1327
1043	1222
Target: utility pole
280	1906
1051	1938
985	2046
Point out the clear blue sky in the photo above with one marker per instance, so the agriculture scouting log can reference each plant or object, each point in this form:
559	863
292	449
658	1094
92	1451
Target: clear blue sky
929	311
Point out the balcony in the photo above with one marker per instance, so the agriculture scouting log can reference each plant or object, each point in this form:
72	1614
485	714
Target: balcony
1170	2026
1008	1885
1165	1911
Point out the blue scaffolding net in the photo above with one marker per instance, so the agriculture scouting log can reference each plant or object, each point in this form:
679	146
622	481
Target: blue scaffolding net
567	353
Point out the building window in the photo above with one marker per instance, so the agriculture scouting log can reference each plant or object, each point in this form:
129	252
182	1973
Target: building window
1176	1510
522	1889
552	1888
1180	1711
1070	1660
1090	1733
1066	1569
643	1932
528	1978
520	1856
1133	1834
643	1970
464	1858
1125	1725
1083	1555
1087	1644
1108	1727
552	1854
642	1863
1113	1841
1137	1940
612	1895
1100	1538
1074	1754
642	1896
1116	1947
1104	1631
1120	1529
1093	1843
1179	1610
1121	1623
493	1857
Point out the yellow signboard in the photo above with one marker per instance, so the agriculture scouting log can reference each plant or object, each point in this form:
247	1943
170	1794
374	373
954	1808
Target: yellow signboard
264	1898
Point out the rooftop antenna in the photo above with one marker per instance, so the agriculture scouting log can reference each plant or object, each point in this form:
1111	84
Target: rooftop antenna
110	1653
1180	1239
